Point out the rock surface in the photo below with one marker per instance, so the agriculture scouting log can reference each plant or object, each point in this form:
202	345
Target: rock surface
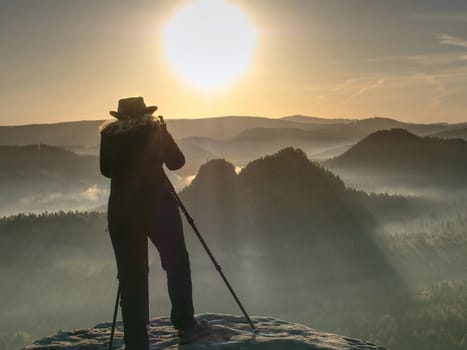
229	332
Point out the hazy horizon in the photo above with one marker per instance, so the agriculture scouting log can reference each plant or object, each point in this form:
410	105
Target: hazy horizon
104	117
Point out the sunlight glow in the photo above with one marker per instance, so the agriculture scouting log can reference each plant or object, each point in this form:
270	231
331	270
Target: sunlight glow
210	43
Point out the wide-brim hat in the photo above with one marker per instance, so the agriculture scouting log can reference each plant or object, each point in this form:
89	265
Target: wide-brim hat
132	107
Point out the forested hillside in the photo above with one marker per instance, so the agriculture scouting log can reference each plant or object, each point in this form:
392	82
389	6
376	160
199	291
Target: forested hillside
400	156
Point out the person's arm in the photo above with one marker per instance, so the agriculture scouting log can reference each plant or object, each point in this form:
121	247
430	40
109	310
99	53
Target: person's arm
173	156
104	160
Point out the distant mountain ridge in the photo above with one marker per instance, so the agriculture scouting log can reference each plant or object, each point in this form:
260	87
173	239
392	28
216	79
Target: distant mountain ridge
398	152
264	182
459	132
44	160
42	177
317	120
239	139
293	134
287	177
57	134
85	133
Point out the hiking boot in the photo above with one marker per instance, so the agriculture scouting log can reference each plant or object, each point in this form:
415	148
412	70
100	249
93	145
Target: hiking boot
200	329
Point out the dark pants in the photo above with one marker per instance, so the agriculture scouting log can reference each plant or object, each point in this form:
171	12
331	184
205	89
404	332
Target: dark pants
129	232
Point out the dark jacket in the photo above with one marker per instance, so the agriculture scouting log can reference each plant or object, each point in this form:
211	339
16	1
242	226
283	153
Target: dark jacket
132	153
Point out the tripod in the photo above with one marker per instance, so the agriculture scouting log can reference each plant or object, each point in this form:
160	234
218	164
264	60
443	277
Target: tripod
205	246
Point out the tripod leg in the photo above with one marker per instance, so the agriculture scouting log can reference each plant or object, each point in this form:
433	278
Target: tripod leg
114	319
208	251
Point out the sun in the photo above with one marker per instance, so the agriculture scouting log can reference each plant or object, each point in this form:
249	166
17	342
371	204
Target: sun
210	43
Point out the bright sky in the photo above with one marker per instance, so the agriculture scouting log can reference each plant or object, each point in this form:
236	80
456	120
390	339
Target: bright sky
71	60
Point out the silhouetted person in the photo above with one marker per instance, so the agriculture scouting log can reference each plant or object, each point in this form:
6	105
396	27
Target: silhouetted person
133	150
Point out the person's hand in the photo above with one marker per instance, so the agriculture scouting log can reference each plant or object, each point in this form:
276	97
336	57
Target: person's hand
163	136
163	124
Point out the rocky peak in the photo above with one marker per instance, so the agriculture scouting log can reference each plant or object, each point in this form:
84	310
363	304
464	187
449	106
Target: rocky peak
229	332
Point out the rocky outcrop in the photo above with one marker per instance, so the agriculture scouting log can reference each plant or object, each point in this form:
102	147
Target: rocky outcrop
228	332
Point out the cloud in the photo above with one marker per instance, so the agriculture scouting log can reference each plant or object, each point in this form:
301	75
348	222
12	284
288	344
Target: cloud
408	62
365	89
452	40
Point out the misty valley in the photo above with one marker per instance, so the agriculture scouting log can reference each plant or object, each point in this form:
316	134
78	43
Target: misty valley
357	227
